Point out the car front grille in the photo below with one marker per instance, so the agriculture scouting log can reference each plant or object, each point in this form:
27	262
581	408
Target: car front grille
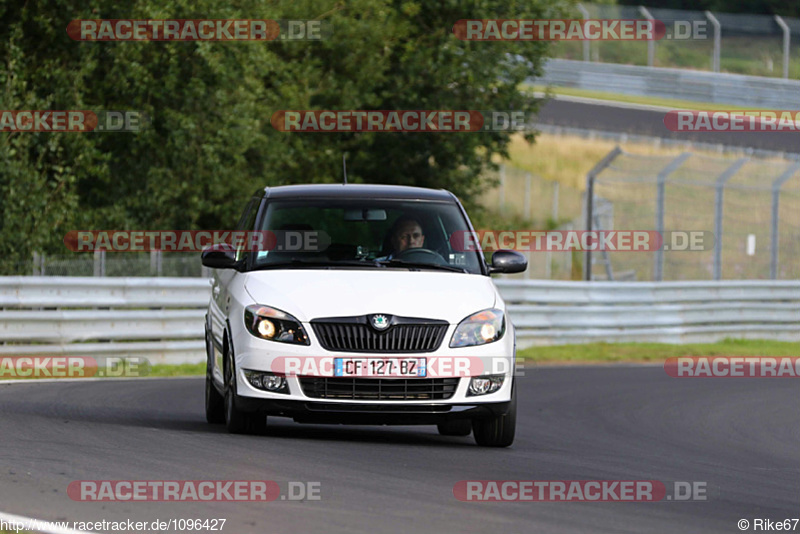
398	338
388	389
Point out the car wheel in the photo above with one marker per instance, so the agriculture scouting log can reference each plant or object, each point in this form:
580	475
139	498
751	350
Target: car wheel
455	428
237	421
497	431
215	403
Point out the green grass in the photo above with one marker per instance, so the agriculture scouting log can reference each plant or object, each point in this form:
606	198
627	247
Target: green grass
653	352
632	99
158	370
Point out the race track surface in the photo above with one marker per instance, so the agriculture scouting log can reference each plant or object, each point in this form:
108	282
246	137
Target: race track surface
740	436
611	118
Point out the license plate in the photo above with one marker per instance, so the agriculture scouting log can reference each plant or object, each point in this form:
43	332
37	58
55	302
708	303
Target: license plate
380	367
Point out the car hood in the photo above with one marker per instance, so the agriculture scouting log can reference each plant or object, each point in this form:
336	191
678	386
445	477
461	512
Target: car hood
311	293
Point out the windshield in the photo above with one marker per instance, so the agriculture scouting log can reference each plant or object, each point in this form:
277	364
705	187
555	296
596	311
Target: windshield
365	233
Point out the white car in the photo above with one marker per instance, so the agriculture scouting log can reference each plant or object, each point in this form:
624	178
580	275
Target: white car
361	305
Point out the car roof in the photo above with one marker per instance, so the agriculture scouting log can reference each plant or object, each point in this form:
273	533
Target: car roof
374	191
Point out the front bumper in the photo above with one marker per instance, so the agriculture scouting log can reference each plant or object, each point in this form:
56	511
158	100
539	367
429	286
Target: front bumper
370	413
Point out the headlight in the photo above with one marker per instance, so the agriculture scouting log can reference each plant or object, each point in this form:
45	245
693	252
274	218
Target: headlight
268	323
483	327
483	385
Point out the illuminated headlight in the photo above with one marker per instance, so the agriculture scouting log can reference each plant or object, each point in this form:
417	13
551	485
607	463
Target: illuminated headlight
267	381
274	325
480	328
483	385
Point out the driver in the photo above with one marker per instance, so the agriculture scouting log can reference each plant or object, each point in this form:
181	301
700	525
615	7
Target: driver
406	233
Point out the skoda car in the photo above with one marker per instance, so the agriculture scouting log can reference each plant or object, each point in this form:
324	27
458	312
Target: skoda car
360	304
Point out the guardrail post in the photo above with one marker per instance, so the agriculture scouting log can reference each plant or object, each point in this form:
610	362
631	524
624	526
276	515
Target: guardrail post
776	192
718	197
586	42
717	39
651	43
590	177
787	36
661	181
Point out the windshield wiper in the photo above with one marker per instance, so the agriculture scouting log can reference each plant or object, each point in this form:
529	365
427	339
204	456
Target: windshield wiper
294	262
421	265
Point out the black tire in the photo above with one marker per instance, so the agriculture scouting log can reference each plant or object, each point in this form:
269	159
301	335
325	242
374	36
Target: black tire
215	403
460	428
237	421
497	431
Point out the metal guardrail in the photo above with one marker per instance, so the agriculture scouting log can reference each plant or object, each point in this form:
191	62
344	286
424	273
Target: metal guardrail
697	86
161	319
547	312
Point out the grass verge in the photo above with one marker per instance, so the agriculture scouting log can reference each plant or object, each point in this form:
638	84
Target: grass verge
653	352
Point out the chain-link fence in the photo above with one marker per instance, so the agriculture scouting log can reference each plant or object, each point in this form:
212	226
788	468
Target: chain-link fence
758	45
523	198
749	208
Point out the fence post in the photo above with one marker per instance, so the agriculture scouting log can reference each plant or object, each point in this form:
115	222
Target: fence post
718	197
527	202
590	177
776	192
555	201
586	43
717	39
502	192
651	43
787	36
661	181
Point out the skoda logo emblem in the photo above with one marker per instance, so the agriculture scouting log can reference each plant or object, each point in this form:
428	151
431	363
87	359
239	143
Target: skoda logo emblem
380	322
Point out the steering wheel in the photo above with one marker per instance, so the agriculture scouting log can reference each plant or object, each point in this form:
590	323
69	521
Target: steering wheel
421	255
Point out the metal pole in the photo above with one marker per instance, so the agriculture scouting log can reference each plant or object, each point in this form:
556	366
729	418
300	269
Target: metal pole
661	182
590	176
717	39
527	202
555	202
776	192
787	35
502	193
720	189
651	43
586	42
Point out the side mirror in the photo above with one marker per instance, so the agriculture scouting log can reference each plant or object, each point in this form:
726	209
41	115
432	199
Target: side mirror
219	256
508	261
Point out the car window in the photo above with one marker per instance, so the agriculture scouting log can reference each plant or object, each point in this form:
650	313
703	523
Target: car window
345	231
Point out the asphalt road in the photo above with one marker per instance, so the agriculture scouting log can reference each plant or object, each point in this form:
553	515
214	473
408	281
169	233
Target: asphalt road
740	436
612	118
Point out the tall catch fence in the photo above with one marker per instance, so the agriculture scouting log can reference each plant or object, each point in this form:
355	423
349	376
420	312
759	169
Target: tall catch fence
748	211
757	45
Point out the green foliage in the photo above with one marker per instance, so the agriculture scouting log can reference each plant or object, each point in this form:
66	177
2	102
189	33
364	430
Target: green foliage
210	143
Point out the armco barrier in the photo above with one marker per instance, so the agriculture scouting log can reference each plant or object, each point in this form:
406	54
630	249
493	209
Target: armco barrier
682	84
161	319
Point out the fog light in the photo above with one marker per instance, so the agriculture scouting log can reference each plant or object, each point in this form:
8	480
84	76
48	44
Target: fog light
483	385
273	383
267	381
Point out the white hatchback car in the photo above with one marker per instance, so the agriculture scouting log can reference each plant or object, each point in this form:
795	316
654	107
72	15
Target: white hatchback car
362	307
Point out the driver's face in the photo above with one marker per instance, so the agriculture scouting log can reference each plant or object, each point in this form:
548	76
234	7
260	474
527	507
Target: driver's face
409	235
